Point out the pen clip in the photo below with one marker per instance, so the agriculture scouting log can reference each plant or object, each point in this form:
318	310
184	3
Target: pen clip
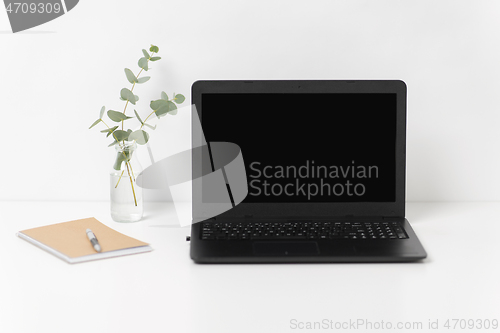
92	235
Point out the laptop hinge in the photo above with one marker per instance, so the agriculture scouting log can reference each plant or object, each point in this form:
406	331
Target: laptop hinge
352	217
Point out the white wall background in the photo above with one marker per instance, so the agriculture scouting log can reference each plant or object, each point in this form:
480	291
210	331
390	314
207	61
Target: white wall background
54	79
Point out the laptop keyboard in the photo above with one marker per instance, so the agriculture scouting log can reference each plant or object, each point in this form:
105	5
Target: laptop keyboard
302	230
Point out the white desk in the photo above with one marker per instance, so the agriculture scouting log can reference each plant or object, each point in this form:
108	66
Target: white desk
164	291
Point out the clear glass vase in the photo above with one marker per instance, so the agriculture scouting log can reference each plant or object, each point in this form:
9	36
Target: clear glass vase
126	196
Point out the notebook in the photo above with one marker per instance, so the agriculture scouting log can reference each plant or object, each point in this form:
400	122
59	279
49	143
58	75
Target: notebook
68	241
325	172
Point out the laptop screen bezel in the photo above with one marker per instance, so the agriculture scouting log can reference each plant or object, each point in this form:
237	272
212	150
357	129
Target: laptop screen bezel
321	209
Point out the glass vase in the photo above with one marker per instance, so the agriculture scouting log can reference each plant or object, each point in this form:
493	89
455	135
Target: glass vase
126	196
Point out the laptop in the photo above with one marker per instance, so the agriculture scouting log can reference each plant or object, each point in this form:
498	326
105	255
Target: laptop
325	172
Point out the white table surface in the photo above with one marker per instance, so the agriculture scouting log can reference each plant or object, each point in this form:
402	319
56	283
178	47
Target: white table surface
164	291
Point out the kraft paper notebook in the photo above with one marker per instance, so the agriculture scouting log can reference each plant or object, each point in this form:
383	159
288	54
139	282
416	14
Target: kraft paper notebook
68	241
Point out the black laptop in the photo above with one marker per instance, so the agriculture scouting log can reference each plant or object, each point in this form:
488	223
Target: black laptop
325	169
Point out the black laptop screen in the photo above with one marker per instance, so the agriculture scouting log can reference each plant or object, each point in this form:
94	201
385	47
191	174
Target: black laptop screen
309	147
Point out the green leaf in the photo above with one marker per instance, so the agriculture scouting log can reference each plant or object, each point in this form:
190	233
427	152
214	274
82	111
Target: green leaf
112	129
172	108
121	157
154	48
146	54
143	63
113	143
153	128
164	96
155	58
109	130
144	79
130	76
179	98
138	118
136	98
95	123
120	135
102	112
127	95
155	105
117	116
140	136
165	108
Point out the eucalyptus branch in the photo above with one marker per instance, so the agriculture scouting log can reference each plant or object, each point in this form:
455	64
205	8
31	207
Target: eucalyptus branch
160	107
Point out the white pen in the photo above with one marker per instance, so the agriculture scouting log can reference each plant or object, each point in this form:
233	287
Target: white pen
93	240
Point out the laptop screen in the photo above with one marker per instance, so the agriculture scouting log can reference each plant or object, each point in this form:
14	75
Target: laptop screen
309	147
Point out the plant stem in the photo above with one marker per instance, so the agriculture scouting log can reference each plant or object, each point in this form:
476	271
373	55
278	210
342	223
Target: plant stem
105	124
124	111
131	176
131	184
132	171
144	122
118	182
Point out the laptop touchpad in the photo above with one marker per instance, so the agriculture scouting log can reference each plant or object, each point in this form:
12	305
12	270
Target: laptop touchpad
285	248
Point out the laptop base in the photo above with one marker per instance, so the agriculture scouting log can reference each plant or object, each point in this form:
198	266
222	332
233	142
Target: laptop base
306	251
